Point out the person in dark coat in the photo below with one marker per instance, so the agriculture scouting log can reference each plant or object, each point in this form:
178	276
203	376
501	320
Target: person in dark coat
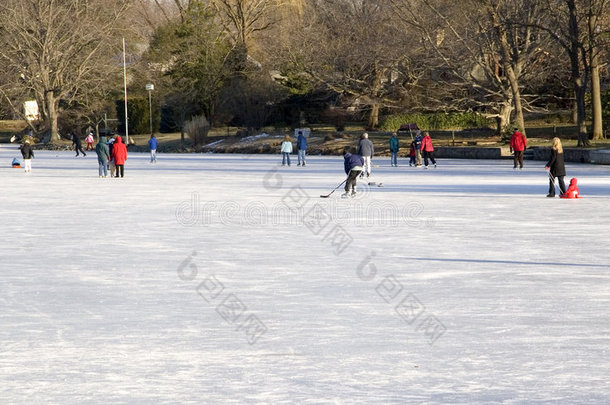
77	144
28	154
301	148
103	155
119	155
394	148
353	165
412	154
111	166
417	144
556	168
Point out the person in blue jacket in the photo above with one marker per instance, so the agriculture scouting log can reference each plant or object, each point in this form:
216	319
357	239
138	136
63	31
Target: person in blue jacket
353	165
152	143
301	147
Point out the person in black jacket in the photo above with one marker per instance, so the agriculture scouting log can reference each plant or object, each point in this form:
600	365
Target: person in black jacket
77	144
28	154
556	168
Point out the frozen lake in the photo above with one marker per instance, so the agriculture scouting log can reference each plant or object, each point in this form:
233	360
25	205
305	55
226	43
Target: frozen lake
226	279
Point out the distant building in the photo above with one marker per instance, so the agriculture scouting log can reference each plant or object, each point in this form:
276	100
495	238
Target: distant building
30	109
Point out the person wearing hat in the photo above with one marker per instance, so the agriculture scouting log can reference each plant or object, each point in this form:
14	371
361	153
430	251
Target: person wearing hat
103	155
28	154
518	143
119	155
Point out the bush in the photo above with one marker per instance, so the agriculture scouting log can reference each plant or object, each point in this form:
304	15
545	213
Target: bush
436	121
197	129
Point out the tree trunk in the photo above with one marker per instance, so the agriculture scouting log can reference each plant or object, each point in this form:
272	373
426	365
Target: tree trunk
374	116
504	116
579	83
596	100
508	62
51	104
581	114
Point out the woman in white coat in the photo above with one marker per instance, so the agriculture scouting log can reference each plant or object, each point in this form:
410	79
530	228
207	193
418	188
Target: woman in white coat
286	150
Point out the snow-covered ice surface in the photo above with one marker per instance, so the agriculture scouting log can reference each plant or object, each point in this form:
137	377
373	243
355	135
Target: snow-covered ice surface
226	279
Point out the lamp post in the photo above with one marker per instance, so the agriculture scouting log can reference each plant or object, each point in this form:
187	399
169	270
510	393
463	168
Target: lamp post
150	87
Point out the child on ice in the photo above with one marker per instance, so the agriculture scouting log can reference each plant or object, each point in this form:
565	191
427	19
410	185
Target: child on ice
572	191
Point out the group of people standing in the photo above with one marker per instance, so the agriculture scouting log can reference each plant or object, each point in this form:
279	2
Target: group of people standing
420	146
111	156
286	149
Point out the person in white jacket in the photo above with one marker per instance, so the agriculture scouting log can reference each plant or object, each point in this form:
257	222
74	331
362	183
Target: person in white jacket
286	150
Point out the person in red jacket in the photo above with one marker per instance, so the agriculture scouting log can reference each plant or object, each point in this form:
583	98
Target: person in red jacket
119	154
518	143
427	150
572	191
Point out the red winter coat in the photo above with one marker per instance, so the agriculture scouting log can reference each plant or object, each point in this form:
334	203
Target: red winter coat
572	191
518	142
426	144
119	152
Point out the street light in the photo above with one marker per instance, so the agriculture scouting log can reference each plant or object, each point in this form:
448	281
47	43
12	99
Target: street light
150	87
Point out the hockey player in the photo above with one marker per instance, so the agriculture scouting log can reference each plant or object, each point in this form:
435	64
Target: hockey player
353	165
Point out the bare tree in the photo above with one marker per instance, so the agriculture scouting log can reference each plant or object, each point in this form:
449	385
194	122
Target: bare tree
58	49
573	25
353	49
484	53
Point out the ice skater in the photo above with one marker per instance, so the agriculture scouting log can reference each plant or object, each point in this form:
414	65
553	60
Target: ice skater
427	150
89	139
412	154
417	143
152	143
286	150
103	155
77	145
518	143
366	151
301	148
28	154
394	148
353	165
119	155
556	168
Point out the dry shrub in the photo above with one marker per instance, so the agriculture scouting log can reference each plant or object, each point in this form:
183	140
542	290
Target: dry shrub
197	129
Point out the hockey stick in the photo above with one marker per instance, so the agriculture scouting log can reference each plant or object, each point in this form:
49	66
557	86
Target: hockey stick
328	195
